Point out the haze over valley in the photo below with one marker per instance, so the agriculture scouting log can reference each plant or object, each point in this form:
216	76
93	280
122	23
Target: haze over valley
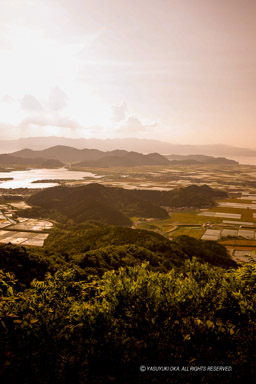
145	146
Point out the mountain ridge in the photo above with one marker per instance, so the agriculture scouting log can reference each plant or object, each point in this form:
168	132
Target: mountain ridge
135	144
88	157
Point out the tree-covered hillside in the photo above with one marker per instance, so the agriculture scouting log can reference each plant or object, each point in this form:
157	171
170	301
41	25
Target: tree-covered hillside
97	302
116	205
96	250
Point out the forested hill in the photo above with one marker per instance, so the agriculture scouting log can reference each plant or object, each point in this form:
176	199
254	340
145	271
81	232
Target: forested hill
115	205
96	303
94	250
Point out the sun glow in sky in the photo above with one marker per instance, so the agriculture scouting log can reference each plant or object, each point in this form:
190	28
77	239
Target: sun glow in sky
182	71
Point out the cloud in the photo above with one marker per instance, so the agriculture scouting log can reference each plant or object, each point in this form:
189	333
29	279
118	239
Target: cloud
30	103
57	99
133	124
7	131
6	126
7	99
119	112
60	122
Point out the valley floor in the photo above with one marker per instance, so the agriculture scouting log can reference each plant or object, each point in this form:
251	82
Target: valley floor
232	222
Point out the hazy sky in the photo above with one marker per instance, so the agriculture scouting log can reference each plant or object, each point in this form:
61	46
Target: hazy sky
182	71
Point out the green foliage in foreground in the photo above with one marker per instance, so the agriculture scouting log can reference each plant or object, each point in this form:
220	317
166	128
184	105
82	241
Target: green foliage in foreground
102	329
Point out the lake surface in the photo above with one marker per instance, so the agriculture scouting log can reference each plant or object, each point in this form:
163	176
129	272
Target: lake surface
24	179
243	159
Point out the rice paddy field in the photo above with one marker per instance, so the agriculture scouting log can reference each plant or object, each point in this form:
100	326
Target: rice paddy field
189	231
22	231
23	238
232	222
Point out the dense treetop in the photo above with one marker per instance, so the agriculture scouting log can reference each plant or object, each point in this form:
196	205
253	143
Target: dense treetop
100	330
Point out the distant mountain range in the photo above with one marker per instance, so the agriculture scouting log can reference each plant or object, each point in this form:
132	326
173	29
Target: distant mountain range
93	157
59	155
129	144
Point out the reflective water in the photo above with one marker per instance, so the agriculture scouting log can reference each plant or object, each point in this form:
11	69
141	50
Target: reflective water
24	179
244	160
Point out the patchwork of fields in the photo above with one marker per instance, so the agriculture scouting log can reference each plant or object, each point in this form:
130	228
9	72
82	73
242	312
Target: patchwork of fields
22	231
233	220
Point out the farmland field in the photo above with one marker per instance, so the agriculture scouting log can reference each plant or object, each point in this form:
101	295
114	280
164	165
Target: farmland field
226	217
22	231
193	232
